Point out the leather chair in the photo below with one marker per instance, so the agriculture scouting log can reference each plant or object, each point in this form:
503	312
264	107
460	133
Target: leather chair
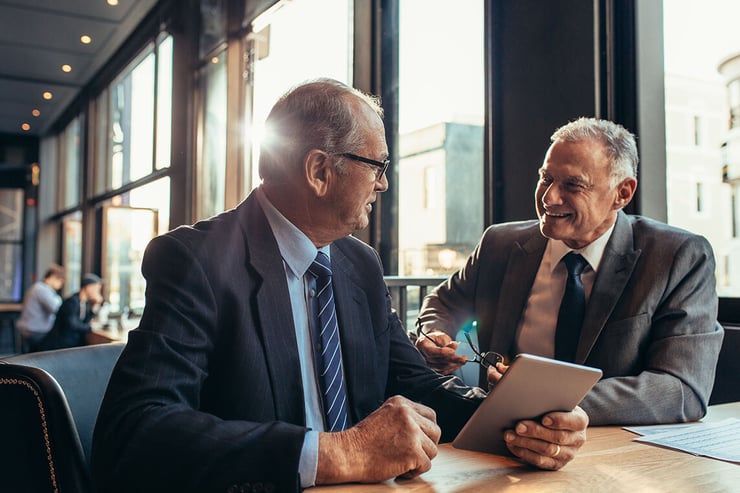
49	402
727	380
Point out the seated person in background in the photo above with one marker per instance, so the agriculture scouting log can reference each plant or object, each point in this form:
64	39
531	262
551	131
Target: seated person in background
40	305
225	383
645	303
73	318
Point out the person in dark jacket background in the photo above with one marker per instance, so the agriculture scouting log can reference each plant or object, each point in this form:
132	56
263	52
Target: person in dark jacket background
73	318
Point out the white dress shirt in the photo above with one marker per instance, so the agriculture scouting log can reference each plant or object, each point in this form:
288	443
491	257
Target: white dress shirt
536	332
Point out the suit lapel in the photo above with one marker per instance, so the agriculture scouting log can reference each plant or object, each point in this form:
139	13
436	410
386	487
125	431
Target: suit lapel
276	328
615	270
521	270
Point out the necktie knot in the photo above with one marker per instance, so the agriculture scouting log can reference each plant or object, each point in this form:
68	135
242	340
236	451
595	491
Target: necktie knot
320	267
575	263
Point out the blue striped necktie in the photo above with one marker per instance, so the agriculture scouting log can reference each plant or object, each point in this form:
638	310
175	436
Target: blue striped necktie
330	378
572	308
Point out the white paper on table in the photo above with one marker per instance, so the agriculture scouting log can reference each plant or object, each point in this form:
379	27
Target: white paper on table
719	440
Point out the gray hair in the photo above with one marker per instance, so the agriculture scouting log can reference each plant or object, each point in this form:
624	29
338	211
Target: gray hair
618	143
317	114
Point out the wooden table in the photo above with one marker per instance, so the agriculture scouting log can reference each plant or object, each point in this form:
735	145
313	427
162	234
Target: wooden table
609	462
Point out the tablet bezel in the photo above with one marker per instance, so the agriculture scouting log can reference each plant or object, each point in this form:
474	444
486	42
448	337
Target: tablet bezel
531	387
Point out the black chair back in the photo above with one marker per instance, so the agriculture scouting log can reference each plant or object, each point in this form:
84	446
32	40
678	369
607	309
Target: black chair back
49	403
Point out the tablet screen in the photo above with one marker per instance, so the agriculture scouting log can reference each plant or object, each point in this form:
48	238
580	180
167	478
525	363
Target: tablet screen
530	388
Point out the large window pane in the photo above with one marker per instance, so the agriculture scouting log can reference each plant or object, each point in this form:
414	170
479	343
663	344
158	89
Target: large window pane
71	165
100	135
126	231
278	61
72	251
211	166
11	260
440	166
164	103
128	224
703	151
128	145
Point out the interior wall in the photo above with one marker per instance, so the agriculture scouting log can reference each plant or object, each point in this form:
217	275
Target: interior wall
543	76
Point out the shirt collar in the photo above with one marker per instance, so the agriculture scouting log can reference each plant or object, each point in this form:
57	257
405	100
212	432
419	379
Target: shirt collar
593	252
296	249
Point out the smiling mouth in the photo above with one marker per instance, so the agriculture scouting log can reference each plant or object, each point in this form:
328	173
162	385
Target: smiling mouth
556	214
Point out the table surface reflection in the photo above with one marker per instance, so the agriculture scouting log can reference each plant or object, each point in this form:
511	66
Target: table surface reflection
610	461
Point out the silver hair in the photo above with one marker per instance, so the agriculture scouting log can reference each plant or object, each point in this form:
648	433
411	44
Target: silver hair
618	143
317	114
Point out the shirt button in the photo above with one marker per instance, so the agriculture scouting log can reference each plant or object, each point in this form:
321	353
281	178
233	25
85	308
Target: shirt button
312	292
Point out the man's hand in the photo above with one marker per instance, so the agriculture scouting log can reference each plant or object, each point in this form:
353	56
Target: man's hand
494	374
438	350
551	443
398	439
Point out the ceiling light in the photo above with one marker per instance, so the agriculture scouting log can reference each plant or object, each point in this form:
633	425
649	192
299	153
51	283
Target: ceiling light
112	3
47	95
85	39
66	68
214	59
26	127
36	112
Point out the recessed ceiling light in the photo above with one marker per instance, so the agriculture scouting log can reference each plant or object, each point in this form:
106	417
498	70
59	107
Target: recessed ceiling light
66	68
36	112
112	3
47	95
85	39
214	59
26	127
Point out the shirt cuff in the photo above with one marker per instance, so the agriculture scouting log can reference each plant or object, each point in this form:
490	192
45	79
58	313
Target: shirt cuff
309	460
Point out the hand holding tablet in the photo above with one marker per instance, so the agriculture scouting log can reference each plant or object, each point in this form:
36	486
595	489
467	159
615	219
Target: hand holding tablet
532	386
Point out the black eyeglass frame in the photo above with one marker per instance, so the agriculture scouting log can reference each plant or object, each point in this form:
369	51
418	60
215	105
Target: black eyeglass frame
381	165
489	358
486	359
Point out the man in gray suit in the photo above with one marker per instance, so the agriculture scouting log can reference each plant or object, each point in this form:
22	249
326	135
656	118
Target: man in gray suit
649	320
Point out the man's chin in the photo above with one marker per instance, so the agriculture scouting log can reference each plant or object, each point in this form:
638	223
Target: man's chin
550	231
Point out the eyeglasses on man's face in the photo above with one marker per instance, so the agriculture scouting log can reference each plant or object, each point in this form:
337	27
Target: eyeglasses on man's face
381	165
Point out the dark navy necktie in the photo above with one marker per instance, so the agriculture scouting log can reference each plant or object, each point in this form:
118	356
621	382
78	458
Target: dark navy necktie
330	368
572	308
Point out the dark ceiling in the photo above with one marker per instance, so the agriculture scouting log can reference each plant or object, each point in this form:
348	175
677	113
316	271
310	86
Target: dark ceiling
37	37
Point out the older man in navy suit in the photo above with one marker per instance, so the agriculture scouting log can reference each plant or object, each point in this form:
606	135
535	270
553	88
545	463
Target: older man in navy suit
649	303
223	387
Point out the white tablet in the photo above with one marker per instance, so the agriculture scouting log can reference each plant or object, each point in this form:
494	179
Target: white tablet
530	388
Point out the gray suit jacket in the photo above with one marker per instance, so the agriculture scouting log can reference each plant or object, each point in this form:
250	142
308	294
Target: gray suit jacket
650	323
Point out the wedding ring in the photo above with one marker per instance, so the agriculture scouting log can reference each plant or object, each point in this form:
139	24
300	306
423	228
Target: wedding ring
557	452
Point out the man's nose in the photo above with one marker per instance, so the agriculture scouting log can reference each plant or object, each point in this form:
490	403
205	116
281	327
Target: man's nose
381	185
552	195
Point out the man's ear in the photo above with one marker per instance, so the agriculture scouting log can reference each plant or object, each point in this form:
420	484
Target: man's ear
319	171
625	191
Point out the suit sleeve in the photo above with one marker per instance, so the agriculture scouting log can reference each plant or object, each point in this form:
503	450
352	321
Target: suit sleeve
151	434
679	355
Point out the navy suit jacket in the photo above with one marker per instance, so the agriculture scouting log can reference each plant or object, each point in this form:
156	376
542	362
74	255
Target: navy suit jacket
207	393
650	323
